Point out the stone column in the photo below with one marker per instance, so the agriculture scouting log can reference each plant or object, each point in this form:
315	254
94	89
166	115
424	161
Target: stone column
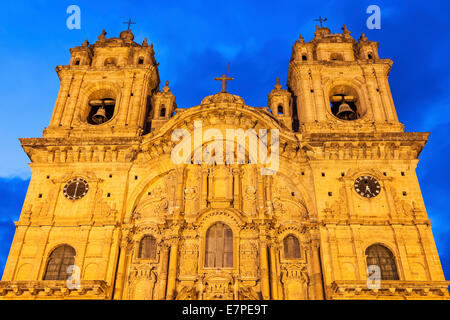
162	273
205	173
265	290
278	268
179	191
237	193
121	270
273	273
316	277
171	282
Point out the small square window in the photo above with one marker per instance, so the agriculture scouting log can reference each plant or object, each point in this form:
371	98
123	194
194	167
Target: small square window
342	174
48	177
108	195
384	174
135	177
404	193
110	175
402	173
303	173
330	194
323	174
40	195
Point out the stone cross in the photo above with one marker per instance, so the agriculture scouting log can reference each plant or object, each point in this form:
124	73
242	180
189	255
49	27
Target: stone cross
129	23
320	20
224	80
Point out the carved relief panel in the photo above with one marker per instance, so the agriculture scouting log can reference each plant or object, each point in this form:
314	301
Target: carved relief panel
295	279
249	259
249	190
188	259
220	187
192	190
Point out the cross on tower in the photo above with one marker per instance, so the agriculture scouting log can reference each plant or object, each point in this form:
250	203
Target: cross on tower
320	20
224	80
129	23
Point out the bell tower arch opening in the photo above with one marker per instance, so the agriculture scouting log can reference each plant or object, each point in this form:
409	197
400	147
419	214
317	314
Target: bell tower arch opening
345	103
101	106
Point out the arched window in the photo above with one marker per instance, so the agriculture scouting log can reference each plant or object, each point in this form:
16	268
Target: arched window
280	109
382	257
147	248
141	61
77	62
163	112
219	246
304	57
369	56
291	247
58	263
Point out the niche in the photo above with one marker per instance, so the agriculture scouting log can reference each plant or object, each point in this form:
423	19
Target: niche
336	57
110	62
102	104
344	103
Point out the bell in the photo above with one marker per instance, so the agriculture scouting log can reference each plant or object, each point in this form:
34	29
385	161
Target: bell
100	116
345	112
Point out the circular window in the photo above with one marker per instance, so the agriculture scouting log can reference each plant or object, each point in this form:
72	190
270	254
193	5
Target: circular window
367	186
76	189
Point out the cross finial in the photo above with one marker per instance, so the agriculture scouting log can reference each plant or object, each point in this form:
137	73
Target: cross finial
224	80
129	22
321	20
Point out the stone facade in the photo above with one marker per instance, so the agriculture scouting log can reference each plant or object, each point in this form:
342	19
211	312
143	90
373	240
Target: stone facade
301	233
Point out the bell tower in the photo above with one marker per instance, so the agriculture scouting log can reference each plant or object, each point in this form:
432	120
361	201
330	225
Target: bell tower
106	89
341	84
280	104
163	107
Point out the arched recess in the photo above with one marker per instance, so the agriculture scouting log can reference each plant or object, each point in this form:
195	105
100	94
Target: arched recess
291	247
418	271
88	90
24	272
246	119
58	262
91	272
229	217
356	86
139	197
381	256
348	271
297	230
227	146
288	189
147	247
219	246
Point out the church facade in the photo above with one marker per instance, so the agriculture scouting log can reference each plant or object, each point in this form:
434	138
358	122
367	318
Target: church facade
124	204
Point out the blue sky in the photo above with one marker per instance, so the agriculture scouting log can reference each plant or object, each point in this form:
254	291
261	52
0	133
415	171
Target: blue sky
194	40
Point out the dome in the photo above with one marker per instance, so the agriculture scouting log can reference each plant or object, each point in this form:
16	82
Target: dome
223	97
